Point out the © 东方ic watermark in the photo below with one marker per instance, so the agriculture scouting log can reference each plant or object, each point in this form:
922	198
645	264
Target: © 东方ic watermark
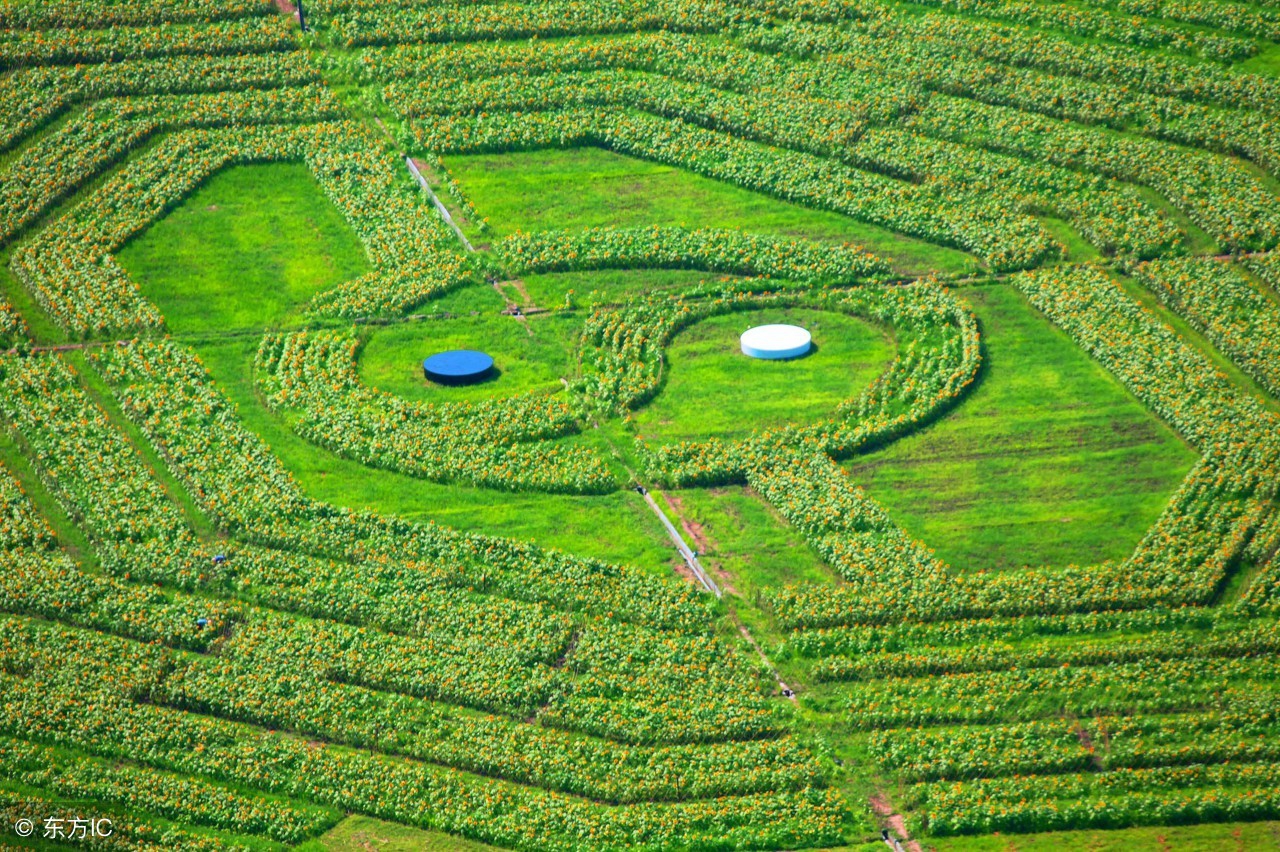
64	828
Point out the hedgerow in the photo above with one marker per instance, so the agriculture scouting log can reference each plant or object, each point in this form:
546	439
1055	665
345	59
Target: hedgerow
105	722
30	97
111	44
70	270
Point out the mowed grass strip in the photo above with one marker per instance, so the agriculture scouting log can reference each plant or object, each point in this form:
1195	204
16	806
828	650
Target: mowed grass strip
749	546
591	187
609	287
1048	462
246	250
712	390
359	833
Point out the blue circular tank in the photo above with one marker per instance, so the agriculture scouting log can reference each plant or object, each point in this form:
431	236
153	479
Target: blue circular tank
457	367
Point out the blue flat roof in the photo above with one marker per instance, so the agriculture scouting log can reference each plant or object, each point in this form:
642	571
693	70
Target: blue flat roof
457	364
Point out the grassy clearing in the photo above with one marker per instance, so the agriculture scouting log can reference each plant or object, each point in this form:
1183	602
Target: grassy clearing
471	300
749	548
1049	461
591	187
244	251
359	833
392	358
239	266
712	390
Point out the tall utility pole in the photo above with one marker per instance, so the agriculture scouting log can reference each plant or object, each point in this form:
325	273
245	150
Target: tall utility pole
302	17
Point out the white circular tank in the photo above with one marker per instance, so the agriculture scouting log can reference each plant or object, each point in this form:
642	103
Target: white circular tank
776	342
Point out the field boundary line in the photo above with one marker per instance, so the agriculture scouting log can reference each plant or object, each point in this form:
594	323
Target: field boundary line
435	199
690	558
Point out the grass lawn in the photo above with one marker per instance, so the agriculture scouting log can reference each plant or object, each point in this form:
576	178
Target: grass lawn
226	259
746	545
744	538
591	187
361	833
392	358
712	390
470	300
1048	462
246	249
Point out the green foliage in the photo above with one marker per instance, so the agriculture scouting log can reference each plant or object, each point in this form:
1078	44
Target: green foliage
247	635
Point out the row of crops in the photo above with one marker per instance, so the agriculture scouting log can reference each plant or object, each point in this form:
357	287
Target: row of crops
511	681
232	661
1106	701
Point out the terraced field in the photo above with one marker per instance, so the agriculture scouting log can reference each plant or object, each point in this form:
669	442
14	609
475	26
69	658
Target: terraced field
995	567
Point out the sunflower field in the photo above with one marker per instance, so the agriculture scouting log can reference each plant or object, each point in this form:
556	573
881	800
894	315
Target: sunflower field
210	644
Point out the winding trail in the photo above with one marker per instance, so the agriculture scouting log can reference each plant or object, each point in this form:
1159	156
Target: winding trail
898	838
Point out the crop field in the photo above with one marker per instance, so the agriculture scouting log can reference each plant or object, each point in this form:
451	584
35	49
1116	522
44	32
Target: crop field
994	566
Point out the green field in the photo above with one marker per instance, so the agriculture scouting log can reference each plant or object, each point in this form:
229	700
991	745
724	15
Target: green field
361	834
571	523
1047	462
1010	585
244	251
392	361
745	541
590	187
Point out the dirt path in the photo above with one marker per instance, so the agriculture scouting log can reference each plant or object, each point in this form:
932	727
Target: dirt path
512	309
894	822
702	543
517	284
